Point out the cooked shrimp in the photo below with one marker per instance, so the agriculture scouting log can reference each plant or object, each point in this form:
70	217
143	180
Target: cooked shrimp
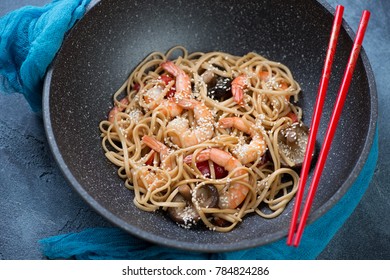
151	179
236	192
183	136
240	83
118	108
183	83
154	100
268	80
247	152
170	108
166	160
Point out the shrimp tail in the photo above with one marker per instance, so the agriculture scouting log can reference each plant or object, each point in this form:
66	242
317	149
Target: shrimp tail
238	85
167	161
226	122
153	143
202	156
171	67
118	108
183	83
238	93
235	122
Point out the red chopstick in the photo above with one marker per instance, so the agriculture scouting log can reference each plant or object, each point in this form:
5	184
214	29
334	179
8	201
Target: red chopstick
316	117
337	110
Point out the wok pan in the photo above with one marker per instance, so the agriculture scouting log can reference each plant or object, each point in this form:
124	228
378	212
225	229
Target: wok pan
103	48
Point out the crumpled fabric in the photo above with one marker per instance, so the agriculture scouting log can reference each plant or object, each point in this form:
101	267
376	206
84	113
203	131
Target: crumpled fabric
115	244
29	40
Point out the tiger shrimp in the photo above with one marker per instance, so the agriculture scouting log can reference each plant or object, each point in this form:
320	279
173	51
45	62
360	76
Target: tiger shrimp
166	160
182	135
240	83
245	153
154	99
183	83
270	81
153	179
237	191
118	108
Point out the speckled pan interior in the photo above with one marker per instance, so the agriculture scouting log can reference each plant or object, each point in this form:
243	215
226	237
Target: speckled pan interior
115	35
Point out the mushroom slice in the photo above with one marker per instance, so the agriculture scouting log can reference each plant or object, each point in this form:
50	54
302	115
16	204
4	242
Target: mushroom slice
209	77
206	196
292	143
186	216
221	90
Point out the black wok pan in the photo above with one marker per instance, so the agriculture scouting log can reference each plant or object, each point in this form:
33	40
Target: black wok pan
115	35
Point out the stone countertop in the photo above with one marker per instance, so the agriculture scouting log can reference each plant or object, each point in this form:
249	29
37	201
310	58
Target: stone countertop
36	201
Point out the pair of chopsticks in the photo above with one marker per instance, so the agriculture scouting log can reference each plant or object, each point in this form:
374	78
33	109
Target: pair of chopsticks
298	229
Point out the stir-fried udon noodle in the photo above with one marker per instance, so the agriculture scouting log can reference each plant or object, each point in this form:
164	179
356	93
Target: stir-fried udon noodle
196	135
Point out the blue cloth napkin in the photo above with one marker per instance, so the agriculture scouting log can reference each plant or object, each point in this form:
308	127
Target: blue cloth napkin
29	40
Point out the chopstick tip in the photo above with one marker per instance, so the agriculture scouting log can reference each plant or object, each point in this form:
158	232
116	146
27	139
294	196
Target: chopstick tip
366	13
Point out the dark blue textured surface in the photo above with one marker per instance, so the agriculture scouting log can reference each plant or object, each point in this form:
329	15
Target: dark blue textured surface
36	202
